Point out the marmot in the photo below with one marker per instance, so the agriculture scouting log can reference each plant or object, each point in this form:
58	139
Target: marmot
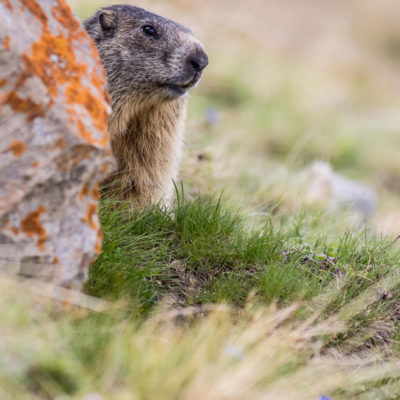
151	63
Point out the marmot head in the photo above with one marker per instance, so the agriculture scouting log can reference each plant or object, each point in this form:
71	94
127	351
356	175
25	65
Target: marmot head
145	54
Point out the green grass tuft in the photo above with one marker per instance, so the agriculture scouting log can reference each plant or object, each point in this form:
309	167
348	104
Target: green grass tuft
200	252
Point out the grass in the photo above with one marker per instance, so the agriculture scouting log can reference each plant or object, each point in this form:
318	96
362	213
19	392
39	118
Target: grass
200	251
210	305
257	294
213	353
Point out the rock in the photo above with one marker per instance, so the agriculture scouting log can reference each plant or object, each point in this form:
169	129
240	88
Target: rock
340	192
54	147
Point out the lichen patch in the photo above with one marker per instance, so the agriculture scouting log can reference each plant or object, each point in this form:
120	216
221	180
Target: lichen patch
6	42
99	241
87	135
90	214
37	11
41	62
17	148
62	13
52	60
8	4
96	193
84	192
32	226
26	106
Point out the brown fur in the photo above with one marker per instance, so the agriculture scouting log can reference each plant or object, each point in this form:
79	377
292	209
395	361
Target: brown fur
148	153
148	79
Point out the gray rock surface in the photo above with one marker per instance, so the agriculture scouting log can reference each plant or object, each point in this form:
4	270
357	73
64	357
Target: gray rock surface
340	192
54	148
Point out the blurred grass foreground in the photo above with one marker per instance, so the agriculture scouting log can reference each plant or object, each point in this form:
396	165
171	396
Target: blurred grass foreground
285	287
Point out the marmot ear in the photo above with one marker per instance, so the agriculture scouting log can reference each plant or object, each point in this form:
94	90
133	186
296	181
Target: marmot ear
108	20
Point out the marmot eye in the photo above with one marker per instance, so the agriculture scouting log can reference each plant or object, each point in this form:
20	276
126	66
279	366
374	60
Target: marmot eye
148	30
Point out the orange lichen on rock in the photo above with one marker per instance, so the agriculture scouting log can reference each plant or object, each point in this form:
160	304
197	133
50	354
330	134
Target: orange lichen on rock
96	193
13	229
55	117
84	192
91	212
79	95
99	241
6	42
17	147
35	9
53	73
32	226
41	63
88	135
98	81
27	106
105	169
97	247
62	13
60	143
8	4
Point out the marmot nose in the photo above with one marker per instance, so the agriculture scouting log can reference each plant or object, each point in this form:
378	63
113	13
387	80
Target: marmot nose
198	60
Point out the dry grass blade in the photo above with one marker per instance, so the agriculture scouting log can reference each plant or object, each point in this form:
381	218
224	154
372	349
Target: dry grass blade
219	354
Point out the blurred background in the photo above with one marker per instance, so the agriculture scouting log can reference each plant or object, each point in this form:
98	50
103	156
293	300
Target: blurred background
299	107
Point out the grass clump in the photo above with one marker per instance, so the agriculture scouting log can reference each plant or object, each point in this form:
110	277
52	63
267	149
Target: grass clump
252	353
196	252
199	252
